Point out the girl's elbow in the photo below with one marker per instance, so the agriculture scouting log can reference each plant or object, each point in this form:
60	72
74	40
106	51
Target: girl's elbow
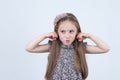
28	49
106	50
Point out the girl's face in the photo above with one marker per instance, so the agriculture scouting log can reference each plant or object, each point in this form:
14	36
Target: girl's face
67	32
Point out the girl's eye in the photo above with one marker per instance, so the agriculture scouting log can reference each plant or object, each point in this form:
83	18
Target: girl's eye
62	31
71	31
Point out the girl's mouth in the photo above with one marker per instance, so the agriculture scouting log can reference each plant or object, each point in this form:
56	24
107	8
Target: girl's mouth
67	41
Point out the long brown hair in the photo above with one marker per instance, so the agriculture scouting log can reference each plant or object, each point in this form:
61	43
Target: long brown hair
79	60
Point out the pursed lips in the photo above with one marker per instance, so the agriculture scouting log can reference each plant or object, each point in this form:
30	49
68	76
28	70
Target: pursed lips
67	41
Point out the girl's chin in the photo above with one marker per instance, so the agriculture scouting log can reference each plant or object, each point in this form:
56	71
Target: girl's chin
67	44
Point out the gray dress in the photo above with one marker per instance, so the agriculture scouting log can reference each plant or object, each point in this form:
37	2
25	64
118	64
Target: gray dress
64	69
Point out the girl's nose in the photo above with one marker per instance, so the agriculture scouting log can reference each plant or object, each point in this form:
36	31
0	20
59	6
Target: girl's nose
67	35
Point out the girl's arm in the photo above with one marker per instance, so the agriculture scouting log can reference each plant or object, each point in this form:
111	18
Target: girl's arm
35	46
100	47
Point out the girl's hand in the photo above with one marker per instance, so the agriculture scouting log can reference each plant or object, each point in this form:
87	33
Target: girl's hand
52	35
82	36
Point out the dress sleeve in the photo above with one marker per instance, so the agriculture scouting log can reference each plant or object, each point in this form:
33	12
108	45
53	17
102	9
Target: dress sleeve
50	43
85	44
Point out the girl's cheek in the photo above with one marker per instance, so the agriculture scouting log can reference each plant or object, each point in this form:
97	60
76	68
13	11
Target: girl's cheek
61	38
73	36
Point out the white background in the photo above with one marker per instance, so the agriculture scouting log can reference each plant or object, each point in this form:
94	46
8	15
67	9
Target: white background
23	20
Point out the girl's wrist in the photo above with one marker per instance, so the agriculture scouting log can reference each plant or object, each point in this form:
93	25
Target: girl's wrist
91	36
44	36
88	35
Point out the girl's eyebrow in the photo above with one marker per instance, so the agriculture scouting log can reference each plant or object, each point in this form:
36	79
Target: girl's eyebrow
67	29
62	30
71	30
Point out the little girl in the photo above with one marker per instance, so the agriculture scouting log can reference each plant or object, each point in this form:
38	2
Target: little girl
66	60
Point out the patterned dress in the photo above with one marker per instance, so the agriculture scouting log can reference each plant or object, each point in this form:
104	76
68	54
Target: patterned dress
64	69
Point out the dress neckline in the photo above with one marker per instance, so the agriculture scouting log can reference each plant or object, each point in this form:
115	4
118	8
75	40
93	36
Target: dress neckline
67	46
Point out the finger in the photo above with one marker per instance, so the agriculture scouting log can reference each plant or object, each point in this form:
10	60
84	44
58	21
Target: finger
79	37
55	35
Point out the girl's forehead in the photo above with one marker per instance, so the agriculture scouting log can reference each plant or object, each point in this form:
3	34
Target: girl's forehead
66	25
